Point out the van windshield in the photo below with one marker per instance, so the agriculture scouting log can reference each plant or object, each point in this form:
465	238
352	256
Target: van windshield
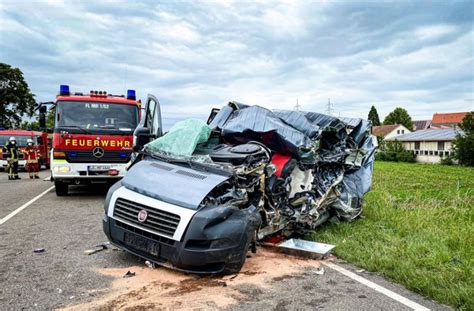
95	116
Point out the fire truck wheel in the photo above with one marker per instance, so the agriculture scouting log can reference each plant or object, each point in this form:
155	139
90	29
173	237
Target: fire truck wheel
61	188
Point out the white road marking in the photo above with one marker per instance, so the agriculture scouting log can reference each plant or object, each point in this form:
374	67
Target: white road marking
407	302
6	218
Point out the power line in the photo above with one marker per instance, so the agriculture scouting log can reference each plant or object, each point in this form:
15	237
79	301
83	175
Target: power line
297	106
329	109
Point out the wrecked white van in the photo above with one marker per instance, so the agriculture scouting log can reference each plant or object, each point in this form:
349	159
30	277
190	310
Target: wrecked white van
200	196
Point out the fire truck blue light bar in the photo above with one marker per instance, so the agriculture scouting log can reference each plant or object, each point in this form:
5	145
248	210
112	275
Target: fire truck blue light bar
131	94
64	89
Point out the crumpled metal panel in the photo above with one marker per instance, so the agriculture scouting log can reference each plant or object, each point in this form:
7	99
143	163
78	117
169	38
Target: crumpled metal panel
341	150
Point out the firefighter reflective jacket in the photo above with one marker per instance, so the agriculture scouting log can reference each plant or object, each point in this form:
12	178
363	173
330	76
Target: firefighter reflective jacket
31	154
12	151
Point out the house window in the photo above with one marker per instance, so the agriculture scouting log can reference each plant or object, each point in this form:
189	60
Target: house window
441	145
426	152
436	153
403	131
398	131
431	152
417	145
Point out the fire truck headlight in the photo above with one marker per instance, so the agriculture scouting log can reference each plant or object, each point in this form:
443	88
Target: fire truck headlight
62	169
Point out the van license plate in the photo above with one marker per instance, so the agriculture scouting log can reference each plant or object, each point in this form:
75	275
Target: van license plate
96	168
142	244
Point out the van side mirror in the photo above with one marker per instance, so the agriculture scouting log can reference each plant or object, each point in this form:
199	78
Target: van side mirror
42	117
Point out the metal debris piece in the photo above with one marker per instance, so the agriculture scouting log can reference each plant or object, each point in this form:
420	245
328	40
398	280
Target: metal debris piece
304	248
98	248
319	271
150	265
39	250
129	274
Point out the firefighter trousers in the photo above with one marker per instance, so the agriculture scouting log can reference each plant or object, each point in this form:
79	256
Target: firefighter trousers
13	169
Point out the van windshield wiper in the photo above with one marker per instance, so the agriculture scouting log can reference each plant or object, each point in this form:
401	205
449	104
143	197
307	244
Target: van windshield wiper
75	127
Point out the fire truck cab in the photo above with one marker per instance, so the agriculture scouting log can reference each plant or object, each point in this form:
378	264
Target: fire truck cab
40	139
92	137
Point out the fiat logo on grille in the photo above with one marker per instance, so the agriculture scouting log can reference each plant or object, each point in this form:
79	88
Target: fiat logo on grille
142	215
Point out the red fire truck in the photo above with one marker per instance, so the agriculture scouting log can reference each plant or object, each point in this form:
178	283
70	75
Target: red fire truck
39	138
93	136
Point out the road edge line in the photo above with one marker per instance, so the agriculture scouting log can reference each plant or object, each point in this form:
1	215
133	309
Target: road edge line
403	300
9	216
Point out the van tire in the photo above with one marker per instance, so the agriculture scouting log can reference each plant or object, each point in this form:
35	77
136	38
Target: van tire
61	188
235	267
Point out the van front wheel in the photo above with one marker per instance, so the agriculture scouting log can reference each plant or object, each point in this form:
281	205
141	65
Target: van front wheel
61	188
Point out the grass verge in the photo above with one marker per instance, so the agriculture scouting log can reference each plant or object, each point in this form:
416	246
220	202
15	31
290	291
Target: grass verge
417	229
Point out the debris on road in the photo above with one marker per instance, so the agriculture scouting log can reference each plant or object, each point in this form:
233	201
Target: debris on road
308	249
319	271
149	264
129	274
99	248
39	250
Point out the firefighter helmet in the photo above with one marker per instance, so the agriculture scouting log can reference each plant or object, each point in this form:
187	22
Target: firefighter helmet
29	141
12	139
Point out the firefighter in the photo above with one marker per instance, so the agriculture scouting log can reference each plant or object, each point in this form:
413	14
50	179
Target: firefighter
32	155
12	159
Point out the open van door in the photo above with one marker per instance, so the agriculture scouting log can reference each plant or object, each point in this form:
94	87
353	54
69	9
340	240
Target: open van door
150	126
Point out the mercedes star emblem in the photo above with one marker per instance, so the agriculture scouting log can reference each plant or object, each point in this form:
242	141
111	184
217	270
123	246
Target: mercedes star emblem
98	152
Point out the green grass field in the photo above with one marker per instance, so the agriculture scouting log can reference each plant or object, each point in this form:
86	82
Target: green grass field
417	229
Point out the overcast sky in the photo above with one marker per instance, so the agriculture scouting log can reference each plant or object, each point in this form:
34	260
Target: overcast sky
417	55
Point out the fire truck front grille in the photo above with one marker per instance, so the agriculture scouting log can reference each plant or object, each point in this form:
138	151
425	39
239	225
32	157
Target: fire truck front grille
108	157
157	221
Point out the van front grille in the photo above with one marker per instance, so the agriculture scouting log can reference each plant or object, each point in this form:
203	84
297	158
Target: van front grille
158	221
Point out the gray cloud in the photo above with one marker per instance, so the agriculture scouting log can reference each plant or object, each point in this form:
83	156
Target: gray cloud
195	56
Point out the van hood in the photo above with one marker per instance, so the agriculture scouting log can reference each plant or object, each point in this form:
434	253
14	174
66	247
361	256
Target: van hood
171	183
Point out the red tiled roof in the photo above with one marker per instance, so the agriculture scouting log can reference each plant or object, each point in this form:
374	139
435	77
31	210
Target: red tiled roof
448	118
383	130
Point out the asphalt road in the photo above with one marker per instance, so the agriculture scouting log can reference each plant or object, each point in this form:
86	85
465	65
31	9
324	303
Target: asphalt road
63	275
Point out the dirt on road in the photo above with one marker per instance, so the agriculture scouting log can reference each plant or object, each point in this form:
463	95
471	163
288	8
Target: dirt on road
162	288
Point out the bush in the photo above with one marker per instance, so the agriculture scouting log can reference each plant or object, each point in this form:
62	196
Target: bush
447	161
464	142
394	151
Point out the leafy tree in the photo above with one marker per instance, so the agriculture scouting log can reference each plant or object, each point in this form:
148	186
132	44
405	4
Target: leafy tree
399	116
374	116
50	118
464	143
16	99
35	126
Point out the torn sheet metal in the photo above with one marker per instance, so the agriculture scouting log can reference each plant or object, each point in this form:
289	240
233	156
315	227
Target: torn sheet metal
339	153
307	249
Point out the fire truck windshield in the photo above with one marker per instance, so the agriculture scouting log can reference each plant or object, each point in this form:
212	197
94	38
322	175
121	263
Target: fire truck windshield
96	117
20	140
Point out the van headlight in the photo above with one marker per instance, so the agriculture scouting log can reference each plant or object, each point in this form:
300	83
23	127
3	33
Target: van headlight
62	169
